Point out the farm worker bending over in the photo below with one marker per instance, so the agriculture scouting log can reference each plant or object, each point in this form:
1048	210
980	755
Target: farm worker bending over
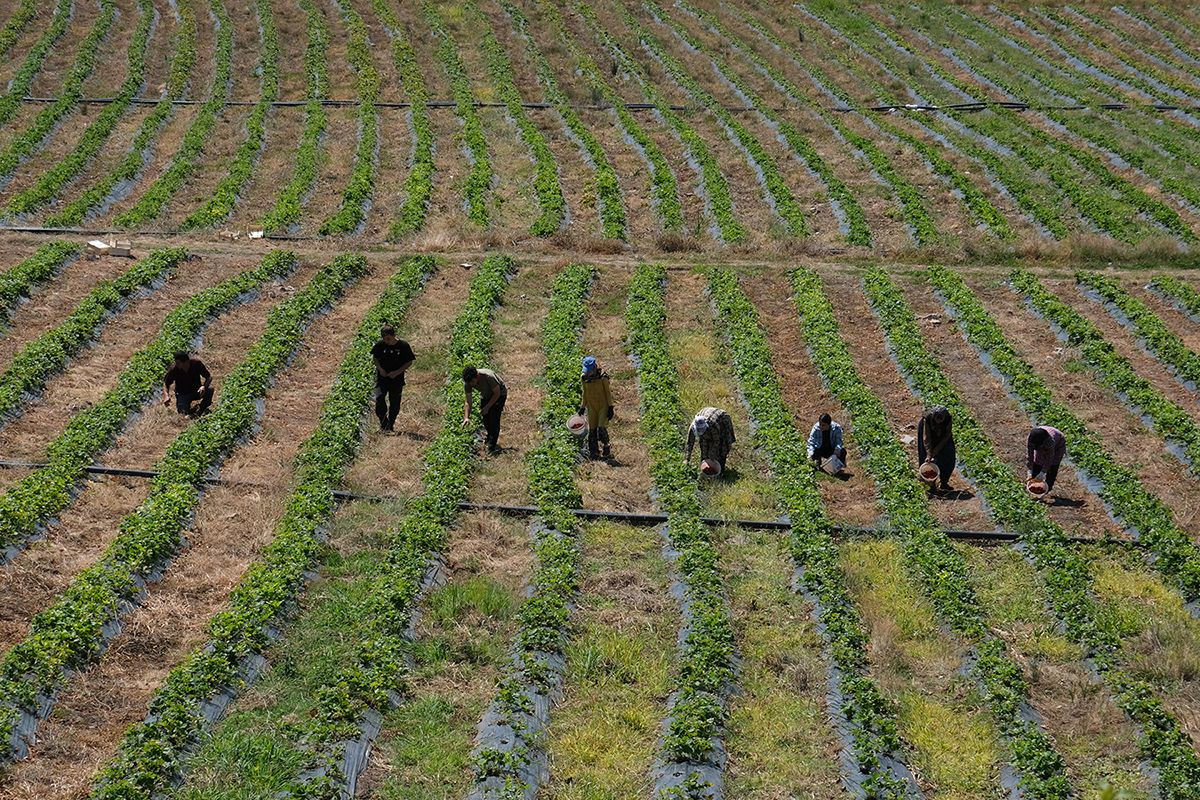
492	394
1045	450
392	358
935	442
714	429
193	384
825	441
596	401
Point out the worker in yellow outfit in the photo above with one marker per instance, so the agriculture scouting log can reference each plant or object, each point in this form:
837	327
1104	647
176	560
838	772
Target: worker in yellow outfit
596	401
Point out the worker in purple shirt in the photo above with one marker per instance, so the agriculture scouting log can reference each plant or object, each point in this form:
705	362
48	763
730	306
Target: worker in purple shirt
1045	450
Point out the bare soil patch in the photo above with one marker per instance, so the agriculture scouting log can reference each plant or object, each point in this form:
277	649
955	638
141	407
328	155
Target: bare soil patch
853	501
32	580
53	302
1078	511
1125	439
961	508
232	524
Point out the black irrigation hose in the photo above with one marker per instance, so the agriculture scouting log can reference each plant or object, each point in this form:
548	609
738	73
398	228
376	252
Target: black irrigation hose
627	517
971	106
42	230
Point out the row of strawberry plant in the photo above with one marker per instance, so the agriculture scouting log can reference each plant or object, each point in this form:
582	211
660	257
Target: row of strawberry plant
309	154
1115	200
154	752
608	188
1166	66
1169	132
70	634
1171	39
18	281
16	25
126	171
18	85
378	669
937	566
1103	196
1176	556
715	185
1006	173
29	140
1158	338
46	355
1157	80
706	672
775	187
367	84
479	178
663	185
857	229
227	192
546	183
1106	133
50	182
521	706
876	750
1064	572
44	493
912	202
1181	294
154	200
1168	418
418	186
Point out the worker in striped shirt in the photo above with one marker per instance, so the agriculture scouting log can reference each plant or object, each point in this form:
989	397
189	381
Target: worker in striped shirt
713	429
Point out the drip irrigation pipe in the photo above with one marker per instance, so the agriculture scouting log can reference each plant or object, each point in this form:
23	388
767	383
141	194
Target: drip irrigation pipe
945	107
637	518
43	230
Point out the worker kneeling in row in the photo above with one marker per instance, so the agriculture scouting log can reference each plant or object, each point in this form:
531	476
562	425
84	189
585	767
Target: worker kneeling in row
826	445
192	382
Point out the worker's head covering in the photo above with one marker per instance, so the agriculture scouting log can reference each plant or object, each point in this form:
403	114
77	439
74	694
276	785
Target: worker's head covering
589	364
938	413
700	424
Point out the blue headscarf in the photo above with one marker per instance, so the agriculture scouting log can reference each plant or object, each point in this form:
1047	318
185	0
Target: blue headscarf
589	364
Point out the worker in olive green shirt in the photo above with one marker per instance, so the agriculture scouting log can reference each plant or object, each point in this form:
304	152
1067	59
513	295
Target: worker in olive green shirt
492	394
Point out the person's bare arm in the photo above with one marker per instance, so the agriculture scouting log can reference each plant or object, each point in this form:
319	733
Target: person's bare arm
467	405
403	368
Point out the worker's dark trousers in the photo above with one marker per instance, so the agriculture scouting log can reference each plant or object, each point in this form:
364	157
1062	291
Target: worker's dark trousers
184	401
1051	473
596	437
491	423
946	459
387	400
826	450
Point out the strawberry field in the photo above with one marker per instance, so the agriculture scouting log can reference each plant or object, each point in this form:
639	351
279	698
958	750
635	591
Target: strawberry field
779	210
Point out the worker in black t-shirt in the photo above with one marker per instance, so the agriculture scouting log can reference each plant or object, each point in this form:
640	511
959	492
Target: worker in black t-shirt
193	385
392	357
